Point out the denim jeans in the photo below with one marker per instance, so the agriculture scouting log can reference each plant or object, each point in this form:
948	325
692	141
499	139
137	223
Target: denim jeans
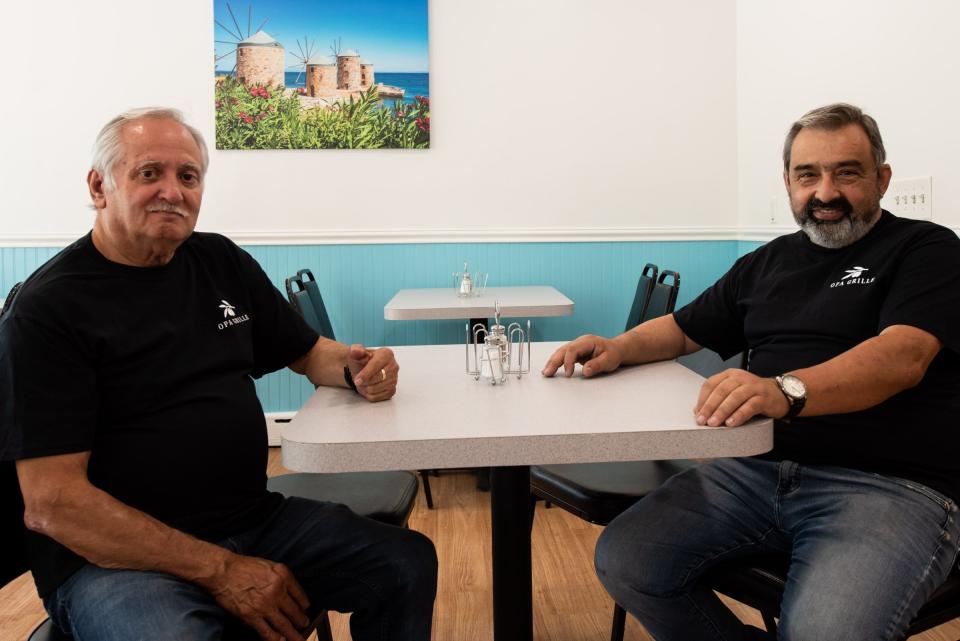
385	575
866	550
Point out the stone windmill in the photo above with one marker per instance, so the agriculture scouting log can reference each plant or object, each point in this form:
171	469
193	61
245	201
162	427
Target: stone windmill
259	58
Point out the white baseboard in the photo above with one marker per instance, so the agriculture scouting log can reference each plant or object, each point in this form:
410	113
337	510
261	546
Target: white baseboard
275	423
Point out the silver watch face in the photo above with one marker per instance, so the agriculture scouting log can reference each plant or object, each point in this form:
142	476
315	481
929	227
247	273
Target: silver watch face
794	387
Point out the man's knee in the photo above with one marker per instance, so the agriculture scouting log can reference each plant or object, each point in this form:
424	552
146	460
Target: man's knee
625	564
415	561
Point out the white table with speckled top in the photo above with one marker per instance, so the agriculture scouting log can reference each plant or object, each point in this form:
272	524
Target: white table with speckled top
443	418
442	303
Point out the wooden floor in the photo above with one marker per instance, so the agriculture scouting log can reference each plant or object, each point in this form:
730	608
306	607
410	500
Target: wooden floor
569	602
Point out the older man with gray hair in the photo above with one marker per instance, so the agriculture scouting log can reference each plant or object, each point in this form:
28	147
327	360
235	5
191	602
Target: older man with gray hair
852	327
127	401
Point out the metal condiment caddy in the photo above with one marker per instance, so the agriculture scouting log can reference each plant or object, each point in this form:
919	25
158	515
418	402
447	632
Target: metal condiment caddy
498	351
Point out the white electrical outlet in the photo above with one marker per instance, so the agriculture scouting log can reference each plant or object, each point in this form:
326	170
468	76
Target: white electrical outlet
910	197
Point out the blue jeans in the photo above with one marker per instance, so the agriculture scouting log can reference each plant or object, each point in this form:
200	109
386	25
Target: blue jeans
385	575
866	550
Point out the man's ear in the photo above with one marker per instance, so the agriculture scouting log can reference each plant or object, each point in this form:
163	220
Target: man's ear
883	179
95	185
786	181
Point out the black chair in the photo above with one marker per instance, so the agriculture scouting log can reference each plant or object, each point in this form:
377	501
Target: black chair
301	302
387	497
758	581
641	300
663	297
304	281
304	295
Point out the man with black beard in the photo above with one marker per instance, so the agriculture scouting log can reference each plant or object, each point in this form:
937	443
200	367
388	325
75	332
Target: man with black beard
851	327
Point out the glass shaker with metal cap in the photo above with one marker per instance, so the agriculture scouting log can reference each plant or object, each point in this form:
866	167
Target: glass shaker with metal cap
466	283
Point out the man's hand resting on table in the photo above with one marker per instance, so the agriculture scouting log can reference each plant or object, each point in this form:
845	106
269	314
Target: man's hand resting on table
734	396
596	353
375	372
730	398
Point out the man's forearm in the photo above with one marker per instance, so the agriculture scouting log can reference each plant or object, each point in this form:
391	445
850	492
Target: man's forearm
869	373
61	503
111	534
324	363
658	339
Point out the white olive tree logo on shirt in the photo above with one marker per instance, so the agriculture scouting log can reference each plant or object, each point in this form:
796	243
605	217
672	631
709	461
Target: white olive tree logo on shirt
856	272
230	316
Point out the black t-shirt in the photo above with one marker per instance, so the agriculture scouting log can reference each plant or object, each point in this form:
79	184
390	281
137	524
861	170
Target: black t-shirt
794	305
151	370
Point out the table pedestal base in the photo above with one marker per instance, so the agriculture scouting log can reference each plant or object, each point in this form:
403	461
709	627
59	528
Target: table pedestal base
512	574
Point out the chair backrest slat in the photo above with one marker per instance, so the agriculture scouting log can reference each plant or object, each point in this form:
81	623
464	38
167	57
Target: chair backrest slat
300	301
641	299
664	296
325	327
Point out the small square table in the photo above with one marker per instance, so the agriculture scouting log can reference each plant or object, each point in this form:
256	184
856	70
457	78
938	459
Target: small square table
442	303
443	418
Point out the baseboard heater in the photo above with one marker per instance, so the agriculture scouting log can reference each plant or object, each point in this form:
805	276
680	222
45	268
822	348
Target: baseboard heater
275	423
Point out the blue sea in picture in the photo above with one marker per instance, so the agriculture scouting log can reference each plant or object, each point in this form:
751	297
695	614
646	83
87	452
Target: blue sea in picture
413	84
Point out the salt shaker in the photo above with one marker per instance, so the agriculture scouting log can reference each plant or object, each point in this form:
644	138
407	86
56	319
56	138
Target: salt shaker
466	283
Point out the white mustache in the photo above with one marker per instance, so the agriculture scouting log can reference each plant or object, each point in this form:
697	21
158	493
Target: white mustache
168	207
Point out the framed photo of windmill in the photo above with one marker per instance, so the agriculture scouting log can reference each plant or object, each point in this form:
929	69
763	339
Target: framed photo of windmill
326	74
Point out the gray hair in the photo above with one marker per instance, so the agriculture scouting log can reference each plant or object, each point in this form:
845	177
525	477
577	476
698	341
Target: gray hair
833	117
106	149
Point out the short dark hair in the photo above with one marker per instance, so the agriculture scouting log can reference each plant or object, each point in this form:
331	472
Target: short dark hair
836	116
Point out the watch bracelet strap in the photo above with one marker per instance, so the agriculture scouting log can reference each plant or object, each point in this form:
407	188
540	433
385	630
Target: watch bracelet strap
348	378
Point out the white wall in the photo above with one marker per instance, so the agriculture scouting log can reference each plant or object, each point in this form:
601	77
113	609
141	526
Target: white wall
648	143
899	61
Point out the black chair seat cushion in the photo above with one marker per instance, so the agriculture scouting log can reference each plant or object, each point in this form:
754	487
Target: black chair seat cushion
387	497
758	581
598	492
47	631
942	606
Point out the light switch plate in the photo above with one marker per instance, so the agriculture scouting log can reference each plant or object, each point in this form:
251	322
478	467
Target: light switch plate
910	197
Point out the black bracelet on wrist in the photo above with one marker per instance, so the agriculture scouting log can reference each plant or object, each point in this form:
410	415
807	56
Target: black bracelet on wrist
348	378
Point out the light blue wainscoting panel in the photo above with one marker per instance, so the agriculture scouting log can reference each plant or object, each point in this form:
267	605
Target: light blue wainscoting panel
744	247
358	280
16	263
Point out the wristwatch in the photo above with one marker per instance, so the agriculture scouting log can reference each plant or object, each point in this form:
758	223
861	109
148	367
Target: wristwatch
348	378
796	393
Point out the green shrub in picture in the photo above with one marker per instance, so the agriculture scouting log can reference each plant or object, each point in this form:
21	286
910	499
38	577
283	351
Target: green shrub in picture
270	118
